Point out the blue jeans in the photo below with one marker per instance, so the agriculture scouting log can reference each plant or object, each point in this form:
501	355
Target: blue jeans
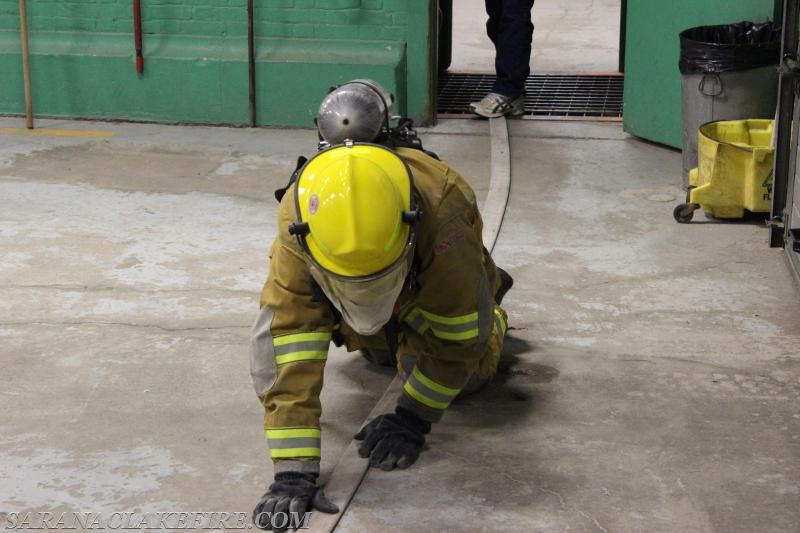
511	30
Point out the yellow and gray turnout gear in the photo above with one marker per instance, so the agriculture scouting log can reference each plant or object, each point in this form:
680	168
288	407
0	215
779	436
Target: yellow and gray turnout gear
446	325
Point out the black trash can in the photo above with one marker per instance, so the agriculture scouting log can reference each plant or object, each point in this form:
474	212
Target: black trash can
728	72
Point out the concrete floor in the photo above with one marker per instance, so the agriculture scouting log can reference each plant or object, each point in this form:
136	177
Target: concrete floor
653	374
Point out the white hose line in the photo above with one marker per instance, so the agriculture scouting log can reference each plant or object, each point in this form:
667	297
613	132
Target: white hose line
351	469
494	207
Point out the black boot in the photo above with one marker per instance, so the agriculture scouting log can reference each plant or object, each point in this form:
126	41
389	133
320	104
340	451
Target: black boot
506	281
377	356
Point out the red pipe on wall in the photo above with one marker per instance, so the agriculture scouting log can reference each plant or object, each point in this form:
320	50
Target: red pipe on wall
137	35
251	64
26	66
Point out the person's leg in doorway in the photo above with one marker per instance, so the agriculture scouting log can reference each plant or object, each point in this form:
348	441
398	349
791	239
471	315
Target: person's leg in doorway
510	28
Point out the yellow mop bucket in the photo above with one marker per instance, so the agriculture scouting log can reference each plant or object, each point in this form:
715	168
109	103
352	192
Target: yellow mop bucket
734	170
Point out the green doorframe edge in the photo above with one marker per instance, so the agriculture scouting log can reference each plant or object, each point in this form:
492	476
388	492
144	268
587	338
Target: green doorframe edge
421	76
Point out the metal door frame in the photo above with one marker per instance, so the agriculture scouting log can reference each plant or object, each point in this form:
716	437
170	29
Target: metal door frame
787	129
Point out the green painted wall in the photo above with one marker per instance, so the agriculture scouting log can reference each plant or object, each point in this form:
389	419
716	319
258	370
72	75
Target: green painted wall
652	100
82	58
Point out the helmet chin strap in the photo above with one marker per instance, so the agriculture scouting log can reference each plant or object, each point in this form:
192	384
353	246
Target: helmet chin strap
412	217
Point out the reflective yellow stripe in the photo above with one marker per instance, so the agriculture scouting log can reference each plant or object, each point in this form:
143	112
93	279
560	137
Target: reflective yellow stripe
428	382
451	320
301	347
421	398
458	332
453	328
461	336
294	442
295	452
428	392
301	337
62	133
416	320
301	356
292	433
499	319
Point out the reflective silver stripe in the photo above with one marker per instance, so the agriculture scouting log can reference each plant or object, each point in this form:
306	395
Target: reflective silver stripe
428	392
289	465
458	328
417	321
304	346
305	442
454	328
290	443
263	368
498	323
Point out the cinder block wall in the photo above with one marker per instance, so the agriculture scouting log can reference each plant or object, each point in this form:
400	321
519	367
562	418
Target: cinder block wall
83	61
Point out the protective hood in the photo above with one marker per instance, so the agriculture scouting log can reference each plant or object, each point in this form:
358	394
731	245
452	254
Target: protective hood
366	304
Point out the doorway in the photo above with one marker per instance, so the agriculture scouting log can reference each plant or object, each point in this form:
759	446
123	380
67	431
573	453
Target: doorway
576	61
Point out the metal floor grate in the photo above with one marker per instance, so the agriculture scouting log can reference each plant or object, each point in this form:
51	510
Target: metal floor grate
547	95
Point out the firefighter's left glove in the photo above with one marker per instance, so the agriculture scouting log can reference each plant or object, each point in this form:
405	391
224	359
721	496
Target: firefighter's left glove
292	492
393	440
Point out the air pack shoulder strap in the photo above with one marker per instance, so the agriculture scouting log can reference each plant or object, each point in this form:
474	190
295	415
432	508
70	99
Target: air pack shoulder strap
404	136
279	193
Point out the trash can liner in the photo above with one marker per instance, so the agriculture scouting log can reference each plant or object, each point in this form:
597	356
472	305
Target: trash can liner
729	47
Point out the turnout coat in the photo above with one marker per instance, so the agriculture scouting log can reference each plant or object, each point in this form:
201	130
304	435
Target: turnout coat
446	328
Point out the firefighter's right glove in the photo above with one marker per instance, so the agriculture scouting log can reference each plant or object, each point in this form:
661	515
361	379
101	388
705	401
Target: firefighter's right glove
393	440
292	492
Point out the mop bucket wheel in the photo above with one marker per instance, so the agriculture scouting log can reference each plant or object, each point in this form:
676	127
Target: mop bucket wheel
683	213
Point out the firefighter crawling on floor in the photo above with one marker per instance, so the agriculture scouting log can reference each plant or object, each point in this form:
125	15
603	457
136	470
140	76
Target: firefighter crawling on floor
378	249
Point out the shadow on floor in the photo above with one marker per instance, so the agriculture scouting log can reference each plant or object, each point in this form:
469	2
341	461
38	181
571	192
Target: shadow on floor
514	391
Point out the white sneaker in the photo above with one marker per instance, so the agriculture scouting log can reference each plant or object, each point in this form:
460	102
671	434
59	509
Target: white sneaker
495	105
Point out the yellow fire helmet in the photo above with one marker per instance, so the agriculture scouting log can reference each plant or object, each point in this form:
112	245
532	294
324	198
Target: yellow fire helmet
356	211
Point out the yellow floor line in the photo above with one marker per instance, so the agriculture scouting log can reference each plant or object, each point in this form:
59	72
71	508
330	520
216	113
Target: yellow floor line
63	133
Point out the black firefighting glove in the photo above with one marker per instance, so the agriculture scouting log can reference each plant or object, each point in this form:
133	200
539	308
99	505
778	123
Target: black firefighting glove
393	440
292	492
